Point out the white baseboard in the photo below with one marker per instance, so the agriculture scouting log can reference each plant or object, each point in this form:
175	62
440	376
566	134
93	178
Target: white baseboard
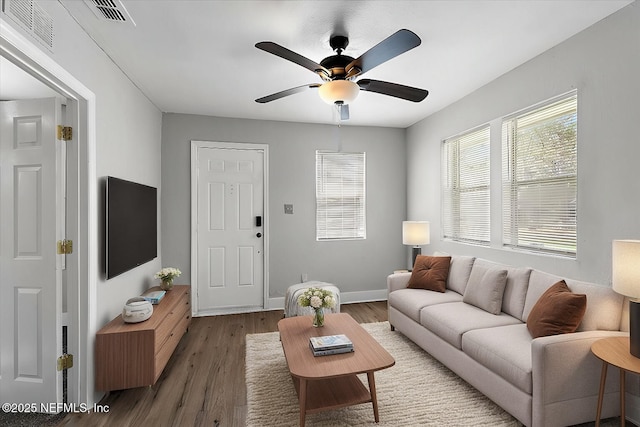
345	298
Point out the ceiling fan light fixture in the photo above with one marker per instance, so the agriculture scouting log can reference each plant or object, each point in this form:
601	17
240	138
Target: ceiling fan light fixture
339	91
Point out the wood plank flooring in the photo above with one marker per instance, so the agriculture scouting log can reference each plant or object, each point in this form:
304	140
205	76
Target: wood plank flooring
204	382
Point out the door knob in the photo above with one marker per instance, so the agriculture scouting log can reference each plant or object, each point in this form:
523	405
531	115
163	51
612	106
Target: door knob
259	235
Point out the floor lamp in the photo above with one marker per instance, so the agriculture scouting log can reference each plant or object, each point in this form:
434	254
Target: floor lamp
626	281
415	233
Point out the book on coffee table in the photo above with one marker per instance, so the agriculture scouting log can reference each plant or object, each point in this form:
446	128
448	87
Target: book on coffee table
330	344
337	350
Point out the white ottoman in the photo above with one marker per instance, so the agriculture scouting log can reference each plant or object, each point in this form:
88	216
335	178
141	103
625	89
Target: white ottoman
291	307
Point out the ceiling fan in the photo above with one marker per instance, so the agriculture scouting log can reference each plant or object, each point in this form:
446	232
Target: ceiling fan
339	71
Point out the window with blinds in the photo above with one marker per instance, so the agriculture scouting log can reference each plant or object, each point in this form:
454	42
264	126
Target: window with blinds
465	187
539	171
340	196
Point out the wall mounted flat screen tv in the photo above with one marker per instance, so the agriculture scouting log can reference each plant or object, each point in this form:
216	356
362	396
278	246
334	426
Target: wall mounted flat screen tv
131	225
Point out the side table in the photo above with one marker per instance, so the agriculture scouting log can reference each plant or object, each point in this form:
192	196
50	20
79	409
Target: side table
614	351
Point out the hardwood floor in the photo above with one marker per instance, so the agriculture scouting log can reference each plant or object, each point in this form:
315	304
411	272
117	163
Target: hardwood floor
203	384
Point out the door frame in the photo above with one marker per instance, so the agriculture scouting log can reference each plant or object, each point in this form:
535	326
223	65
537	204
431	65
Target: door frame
264	148
82	215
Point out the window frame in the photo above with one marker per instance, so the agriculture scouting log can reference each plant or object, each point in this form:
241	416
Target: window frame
471	224
330	193
552	189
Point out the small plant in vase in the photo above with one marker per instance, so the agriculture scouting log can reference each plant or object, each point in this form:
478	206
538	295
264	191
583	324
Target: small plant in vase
318	299
166	275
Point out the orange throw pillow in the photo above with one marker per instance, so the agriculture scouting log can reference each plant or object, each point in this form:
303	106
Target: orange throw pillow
557	311
430	273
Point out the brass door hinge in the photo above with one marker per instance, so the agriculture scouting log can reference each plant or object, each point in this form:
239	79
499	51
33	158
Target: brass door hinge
65	362
65	133
65	247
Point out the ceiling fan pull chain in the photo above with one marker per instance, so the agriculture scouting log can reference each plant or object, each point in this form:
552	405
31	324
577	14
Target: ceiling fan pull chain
338	132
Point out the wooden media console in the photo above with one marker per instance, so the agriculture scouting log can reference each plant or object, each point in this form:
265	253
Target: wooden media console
132	355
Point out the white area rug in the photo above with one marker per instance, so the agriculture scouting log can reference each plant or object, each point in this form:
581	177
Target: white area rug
417	391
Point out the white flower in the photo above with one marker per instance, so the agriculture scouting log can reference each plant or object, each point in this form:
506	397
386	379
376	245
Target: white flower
316	298
168	273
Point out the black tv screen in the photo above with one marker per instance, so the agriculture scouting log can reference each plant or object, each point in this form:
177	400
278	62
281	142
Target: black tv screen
131	225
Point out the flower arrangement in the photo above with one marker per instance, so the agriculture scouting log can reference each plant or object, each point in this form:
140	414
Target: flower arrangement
318	299
167	275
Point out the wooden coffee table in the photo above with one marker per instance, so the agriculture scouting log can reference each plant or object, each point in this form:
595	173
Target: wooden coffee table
330	382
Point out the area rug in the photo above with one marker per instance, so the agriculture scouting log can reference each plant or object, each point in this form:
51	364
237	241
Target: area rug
417	391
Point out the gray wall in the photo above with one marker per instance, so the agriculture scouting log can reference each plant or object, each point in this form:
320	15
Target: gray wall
603	63
355	266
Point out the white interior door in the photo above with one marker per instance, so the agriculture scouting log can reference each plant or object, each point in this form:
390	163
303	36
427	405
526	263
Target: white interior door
229	231
30	270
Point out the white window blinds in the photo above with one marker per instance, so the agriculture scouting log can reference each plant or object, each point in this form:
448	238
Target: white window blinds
539	170
340	195
465	187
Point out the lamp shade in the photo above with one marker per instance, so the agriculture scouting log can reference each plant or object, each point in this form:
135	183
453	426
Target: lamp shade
344	91
415	233
626	267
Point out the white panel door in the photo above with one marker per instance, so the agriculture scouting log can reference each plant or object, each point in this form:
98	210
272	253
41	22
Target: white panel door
230	243
30	280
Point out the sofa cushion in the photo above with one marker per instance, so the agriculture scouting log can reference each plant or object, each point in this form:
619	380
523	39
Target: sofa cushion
515	291
505	350
451	320
485	288
558	311
459	273
411	301
539	282
430	273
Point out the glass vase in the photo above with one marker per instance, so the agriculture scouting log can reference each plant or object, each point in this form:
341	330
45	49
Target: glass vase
318	318
166	284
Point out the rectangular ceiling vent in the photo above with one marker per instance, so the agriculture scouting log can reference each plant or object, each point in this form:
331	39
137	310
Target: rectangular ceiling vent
31	18
110	11
42	25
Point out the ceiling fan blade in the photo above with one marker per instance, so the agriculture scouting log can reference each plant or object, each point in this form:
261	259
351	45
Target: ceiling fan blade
290	55
393	89
287	92
392	46
343	109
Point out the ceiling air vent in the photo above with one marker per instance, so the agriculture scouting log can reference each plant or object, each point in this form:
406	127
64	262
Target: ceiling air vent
110	10
42	26
20	10
32	18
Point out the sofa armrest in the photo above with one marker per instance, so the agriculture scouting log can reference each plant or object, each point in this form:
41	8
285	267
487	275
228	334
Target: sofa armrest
564	371
397	281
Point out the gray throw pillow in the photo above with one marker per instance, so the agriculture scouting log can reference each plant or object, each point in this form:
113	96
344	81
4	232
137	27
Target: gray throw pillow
486	288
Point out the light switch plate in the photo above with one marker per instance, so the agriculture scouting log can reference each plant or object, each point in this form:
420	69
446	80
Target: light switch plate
288	209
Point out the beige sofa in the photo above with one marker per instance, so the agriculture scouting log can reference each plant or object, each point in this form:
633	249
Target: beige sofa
547	381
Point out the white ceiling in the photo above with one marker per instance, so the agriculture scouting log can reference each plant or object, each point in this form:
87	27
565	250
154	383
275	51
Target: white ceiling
198	57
